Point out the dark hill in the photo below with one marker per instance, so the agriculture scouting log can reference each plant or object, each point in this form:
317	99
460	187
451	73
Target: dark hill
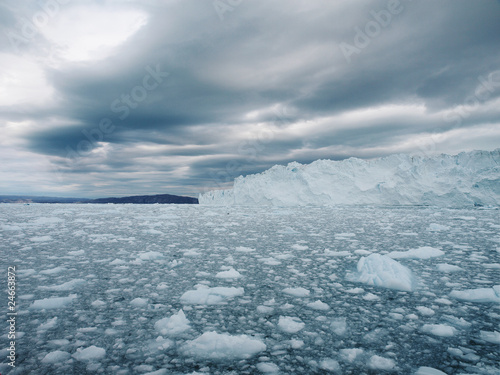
147	199
136	199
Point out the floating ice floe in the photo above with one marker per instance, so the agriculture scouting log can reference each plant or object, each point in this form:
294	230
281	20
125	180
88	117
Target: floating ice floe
41	239
350	355
268	368
244	249
442	330
448	268
221	346
150	255
339	326
437	227
53	271
57	356
210	296
383	271
290	324
318	305
478	295
229	274
428	371
90	354
424	252
491	337
139	302
50	324
297	292
329	364
67	286
336	253
174	325
52	303
380	363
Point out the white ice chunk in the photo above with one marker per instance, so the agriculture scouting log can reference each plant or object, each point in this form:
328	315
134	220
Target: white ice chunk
290	324
268	368
318	305
98	303
371	297
492	337
437	227
329	364
336	253
449	268
296	292
424	252
150	255
41	239
57	356
339	326
162	371
53	271
220	346
117	262
264	309
425	311
210	296
50	324
229	274
243	249
442	330
173	325
67	286
380	363
52	303
383	271
90	354
76	252
428	371
138	302
300	247
350	355
478	295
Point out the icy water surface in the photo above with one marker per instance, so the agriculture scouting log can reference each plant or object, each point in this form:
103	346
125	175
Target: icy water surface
182	289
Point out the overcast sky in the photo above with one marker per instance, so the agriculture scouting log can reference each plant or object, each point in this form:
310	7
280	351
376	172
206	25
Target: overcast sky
111	98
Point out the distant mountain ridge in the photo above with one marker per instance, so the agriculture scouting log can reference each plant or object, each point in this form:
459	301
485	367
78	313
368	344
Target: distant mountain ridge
147	199
134	199
463	180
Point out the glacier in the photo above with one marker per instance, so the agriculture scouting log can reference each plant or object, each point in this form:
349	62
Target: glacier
464	180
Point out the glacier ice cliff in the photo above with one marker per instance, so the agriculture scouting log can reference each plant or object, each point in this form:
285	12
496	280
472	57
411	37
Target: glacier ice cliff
467	179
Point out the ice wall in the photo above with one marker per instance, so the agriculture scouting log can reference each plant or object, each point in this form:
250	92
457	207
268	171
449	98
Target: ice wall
466	179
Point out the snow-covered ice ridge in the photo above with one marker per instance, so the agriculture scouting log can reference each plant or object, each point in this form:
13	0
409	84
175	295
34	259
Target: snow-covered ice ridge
463	180
204	290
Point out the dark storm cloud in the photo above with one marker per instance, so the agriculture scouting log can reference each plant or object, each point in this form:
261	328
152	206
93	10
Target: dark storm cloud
277	64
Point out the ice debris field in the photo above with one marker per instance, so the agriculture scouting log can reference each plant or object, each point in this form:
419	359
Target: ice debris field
177	289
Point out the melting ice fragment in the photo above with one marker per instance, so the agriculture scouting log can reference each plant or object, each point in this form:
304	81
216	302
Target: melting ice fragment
210	296
219	346
478	295
383	271
173	325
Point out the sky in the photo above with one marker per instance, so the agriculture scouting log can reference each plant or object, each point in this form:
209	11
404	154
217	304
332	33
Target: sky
114	98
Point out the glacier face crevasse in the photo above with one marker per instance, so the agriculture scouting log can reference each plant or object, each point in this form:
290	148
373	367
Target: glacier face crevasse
467	179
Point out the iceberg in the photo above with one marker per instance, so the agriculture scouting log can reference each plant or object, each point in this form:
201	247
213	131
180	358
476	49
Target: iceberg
464	180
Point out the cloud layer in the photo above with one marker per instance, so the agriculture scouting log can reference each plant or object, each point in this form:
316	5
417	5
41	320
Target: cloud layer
143	97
